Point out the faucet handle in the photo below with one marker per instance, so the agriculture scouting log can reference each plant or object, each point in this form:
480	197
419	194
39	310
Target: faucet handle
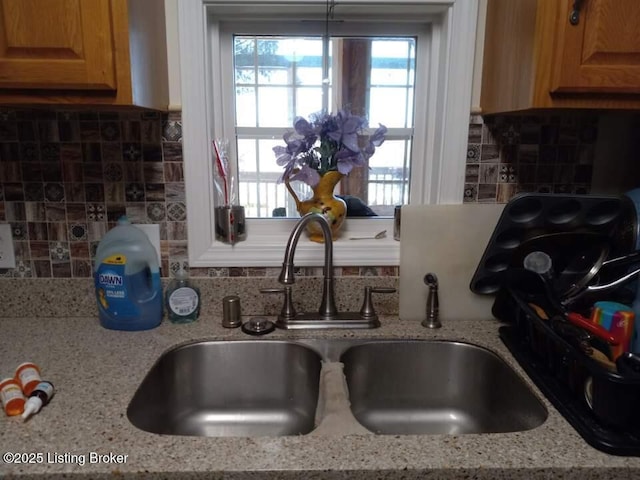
367	310
288	311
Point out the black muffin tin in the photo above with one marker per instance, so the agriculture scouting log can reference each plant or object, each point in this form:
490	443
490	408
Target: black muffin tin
531	215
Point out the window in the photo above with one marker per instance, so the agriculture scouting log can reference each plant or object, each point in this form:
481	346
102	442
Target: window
278	77
434	135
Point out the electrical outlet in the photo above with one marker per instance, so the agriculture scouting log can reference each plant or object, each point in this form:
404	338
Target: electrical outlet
153	232
7	254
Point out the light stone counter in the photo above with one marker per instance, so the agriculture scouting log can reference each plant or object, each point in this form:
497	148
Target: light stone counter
96	372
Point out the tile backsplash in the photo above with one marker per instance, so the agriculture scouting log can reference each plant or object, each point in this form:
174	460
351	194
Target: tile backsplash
67	176
547	153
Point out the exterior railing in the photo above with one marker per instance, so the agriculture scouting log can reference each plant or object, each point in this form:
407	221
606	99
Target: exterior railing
262	195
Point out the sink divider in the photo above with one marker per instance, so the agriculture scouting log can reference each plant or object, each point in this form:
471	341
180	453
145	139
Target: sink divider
333	413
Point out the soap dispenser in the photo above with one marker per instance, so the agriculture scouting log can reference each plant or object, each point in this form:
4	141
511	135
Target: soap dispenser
182	299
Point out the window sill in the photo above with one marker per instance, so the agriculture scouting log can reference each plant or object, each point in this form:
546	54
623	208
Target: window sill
266	243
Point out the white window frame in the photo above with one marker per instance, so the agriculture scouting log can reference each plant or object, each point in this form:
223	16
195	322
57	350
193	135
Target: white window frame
420	32
443	119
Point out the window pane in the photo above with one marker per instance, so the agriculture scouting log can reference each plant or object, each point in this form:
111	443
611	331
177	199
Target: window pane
308	101
246	107
245	76
274	106
266	157
246	156
393	61
278	78
275	76
309	76
260	192
392	80
379	112
258	174
389	176
305	51
244	52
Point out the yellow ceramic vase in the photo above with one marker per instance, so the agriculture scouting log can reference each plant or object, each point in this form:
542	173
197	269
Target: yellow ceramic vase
324	202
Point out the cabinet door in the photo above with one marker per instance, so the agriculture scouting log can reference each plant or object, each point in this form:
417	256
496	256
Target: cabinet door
601	53
56	44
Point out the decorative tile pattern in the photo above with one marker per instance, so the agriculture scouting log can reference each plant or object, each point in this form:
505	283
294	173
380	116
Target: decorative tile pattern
66	177
77	232
176	211
156	212
131	152
545	153
109	131
59	251
172	129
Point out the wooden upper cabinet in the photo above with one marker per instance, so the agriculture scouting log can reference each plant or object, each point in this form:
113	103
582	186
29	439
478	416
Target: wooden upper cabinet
536	58
600	52
94	52
54	44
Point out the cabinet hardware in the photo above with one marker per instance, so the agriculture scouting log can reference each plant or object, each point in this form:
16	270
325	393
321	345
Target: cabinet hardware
574	16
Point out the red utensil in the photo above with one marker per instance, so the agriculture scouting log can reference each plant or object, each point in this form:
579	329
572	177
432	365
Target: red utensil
583	322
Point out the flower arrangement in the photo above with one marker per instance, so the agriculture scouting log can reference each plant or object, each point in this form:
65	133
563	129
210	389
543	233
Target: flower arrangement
327	142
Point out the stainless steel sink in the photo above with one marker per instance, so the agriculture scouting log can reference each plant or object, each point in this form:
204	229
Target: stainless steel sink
277	387
437	387
240	388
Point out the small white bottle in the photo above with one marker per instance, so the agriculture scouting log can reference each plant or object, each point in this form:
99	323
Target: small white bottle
182	299
40	396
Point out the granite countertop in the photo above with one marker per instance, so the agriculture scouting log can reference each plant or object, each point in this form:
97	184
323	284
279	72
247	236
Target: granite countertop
96	372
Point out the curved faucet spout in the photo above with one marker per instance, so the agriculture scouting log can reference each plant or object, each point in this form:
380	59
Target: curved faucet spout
287	276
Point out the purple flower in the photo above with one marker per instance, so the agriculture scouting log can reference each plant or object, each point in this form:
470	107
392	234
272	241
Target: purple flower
378	136
346	130
324	143
287	157
304	128
296	144
307	175
375	140
284	159
347	160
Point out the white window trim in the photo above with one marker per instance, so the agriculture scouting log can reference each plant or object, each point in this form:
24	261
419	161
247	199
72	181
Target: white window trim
437	180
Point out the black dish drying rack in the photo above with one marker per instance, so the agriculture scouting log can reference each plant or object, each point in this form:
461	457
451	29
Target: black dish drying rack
602	405
570	379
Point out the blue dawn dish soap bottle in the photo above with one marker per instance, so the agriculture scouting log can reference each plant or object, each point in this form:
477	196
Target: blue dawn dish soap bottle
182	299
127	279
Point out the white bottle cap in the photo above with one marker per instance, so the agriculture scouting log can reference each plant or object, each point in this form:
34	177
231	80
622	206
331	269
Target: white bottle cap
33	405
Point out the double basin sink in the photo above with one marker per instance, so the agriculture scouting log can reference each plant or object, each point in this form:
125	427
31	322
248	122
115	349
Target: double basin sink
279	387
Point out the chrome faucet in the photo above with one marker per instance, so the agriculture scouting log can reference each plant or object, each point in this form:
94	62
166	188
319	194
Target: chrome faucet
327	316
328	305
